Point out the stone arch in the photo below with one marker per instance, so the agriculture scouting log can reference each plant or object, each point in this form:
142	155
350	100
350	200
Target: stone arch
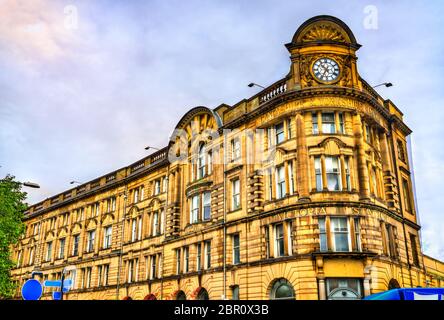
200	294
150	296
393	284
326	29
281	289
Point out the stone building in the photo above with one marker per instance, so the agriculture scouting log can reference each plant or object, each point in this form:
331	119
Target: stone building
302	191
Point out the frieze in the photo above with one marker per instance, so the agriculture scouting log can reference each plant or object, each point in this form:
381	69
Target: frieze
323	211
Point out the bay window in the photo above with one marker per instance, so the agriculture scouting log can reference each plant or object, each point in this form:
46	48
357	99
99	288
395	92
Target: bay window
333	173
280	182
194	209
206	205
328	123
340	234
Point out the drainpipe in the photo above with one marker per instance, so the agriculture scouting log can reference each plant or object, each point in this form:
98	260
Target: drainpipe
225	219
395	159
121	242
164	230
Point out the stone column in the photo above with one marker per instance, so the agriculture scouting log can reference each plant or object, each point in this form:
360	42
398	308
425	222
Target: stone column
302	159
362	166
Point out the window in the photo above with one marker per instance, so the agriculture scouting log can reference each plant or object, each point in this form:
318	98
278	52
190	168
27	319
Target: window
91	236
357	235
111	204
341	123
407	199
280	182
414	246
318	173
344	289
235	188
48	251
235	149
333	173
201	163
139	229
133	266
290	173
194	209
210	162
347	173
206	205
198	257
401	152
107	237
314	120
282	290
133	230
95	210
31	256
75	245
279	240
390	243
322	235
156	187
236	248
328	123
86	279
102	275
177	261
235	292
153	273
207	245
136	195
270	184
339	228
156	224
186	258
367	133
280	136
62	248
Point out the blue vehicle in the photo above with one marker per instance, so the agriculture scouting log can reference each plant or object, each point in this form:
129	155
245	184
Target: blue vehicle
409	294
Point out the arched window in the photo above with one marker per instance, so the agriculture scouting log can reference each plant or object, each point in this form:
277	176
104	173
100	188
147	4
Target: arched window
180	295
201	162
150	297
203	294
282	290
393	284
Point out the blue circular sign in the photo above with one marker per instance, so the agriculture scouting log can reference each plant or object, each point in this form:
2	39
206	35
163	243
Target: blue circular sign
32	290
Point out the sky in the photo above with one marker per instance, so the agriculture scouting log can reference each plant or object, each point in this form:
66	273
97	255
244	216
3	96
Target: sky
86	85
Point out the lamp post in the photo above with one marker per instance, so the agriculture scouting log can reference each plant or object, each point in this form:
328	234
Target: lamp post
150	147
252	84
386	84
65	270
76	182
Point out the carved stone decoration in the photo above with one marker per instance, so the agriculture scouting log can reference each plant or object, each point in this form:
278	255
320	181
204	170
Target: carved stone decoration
324	32
306	73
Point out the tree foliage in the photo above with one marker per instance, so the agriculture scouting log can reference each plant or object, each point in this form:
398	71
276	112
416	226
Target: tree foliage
12	207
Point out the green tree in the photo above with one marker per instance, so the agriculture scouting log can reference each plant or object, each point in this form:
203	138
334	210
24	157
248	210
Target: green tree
12	207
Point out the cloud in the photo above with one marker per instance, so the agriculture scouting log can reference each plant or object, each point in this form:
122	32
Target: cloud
78	103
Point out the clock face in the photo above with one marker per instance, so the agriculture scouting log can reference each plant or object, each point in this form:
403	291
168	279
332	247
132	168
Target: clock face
326	69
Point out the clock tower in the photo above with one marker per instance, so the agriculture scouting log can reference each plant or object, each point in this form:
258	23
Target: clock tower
323	53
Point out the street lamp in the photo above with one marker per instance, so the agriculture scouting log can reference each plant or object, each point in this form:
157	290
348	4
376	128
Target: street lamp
386	84
31	185
77	182
252	84
150	147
